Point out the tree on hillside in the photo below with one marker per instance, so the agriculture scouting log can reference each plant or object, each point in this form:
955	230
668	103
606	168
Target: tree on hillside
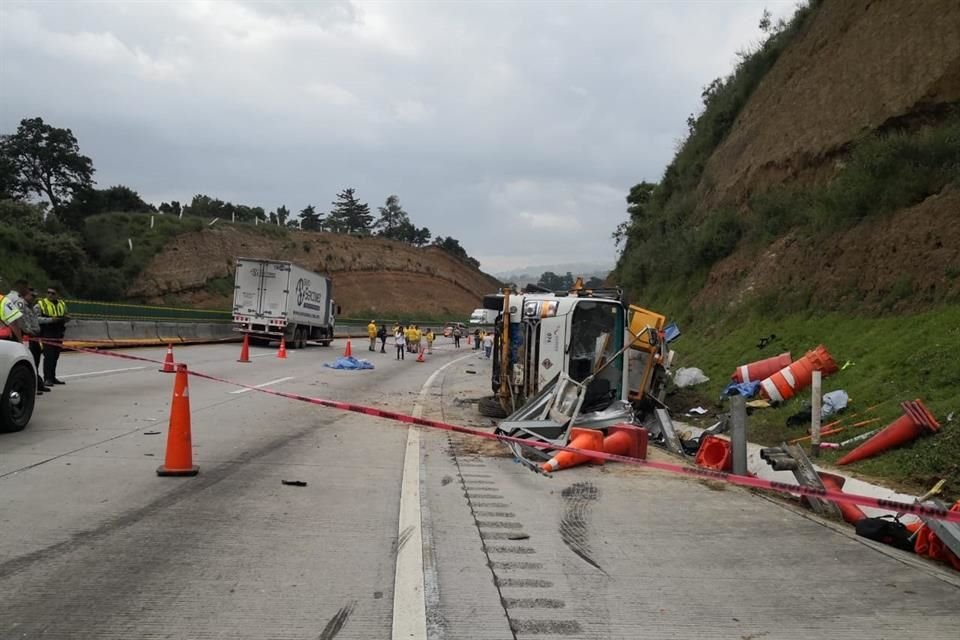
349	215
453	247
46	162
172	207
393	219
638	201
595	283
420	237
283	214
90	202
310	219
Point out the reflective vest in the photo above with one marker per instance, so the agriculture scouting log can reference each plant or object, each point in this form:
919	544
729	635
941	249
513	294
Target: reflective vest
51	309
9	313
372	330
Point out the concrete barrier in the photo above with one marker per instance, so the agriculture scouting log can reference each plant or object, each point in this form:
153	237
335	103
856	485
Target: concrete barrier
121	331
168	332
94	330
188	331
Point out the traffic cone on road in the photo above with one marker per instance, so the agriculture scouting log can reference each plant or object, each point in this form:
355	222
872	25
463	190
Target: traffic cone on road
626	440
915	421
282	353
587	439
348	350
850	512
168	361
420	357
245	349
178	460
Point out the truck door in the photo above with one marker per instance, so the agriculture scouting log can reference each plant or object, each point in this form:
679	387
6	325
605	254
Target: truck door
274	278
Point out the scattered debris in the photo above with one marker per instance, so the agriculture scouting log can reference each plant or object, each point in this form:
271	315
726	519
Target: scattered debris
689	377
763	342
350	363
151	433
700	411
834	402
518	536
294	483
790	457
915	422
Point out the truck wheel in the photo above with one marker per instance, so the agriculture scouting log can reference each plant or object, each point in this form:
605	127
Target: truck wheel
19	395
490	407
302	342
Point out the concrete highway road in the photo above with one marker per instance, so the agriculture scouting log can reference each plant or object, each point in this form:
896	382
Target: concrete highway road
398	533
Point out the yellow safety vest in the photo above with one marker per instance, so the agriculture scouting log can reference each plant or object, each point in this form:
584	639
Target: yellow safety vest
51	310
9	313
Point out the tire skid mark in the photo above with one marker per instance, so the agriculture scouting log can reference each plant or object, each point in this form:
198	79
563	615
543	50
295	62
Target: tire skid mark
337	622
574	525
403	539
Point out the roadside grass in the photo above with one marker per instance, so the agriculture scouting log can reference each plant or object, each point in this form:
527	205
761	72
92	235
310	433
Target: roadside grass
892	359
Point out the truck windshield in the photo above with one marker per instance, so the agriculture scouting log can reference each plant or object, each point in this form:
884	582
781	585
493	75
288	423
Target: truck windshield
596	336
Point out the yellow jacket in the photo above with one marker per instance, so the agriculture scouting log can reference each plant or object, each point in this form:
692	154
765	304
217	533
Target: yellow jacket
372	330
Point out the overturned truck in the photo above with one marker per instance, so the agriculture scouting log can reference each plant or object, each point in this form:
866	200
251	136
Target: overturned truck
578	358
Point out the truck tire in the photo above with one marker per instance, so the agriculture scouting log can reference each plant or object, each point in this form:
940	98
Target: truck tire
490	407
19	396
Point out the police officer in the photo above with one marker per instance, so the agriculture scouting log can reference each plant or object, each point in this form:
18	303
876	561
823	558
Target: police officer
53	319
10	319
31	328
372	334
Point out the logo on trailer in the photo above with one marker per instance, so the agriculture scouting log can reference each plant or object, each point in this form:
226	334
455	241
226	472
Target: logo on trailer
302	289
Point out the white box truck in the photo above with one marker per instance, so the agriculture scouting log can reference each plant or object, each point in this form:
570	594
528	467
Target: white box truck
274	298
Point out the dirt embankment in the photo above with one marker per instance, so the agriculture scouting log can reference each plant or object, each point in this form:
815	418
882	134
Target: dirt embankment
369	274
892	263
861	66
858	68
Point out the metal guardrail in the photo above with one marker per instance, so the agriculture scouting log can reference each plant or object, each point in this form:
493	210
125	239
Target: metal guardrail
92	310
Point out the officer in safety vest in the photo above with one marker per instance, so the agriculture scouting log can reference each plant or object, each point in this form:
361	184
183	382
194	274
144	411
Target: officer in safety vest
372	334
10	316
53	319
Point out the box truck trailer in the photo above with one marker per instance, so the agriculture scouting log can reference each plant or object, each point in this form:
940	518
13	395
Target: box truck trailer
273	298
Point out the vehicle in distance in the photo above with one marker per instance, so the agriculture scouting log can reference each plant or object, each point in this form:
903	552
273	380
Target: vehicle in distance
483	316
273	298
18	379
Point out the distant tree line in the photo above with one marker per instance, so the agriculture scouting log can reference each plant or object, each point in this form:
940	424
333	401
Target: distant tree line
42	164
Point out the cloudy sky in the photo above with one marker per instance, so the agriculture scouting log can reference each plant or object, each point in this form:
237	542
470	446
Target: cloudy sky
516	127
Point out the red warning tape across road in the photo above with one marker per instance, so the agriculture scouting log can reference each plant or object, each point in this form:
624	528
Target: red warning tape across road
926	511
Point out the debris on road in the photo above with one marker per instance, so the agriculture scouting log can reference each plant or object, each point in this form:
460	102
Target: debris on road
689	377
151	433
293	483
350	363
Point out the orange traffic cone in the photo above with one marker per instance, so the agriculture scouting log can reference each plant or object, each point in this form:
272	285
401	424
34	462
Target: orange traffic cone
850	512
179	456
420	357
245	349
282	353
915	421
348	351
626	440
587	439
168	361
715	453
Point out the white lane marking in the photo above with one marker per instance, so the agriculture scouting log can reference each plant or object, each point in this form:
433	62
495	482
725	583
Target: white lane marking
100	373
265	384
263	355
409	605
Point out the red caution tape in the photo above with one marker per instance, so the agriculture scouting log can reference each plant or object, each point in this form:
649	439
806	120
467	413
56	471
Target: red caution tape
924	510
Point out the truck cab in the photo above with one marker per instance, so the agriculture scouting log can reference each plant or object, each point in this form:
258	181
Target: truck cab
538	335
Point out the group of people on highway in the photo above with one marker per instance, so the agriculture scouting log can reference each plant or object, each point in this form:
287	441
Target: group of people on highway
39	322
413	339
407	339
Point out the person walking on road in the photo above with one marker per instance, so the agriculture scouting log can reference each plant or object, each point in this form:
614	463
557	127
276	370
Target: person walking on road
382	334
372	334
430	338
399	339
457	334
488	344
53	321
477	337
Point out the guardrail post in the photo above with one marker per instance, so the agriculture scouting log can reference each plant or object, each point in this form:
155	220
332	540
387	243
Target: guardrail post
738	434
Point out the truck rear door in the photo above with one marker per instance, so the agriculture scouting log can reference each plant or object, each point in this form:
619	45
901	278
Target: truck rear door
261	289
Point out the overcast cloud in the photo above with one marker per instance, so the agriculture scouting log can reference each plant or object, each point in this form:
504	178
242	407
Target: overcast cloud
517	128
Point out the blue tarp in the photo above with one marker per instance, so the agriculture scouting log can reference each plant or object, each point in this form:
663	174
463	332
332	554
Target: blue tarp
745	389
350	363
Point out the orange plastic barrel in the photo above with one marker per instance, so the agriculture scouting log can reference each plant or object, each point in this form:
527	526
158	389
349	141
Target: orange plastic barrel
715	453
761	368
787	382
